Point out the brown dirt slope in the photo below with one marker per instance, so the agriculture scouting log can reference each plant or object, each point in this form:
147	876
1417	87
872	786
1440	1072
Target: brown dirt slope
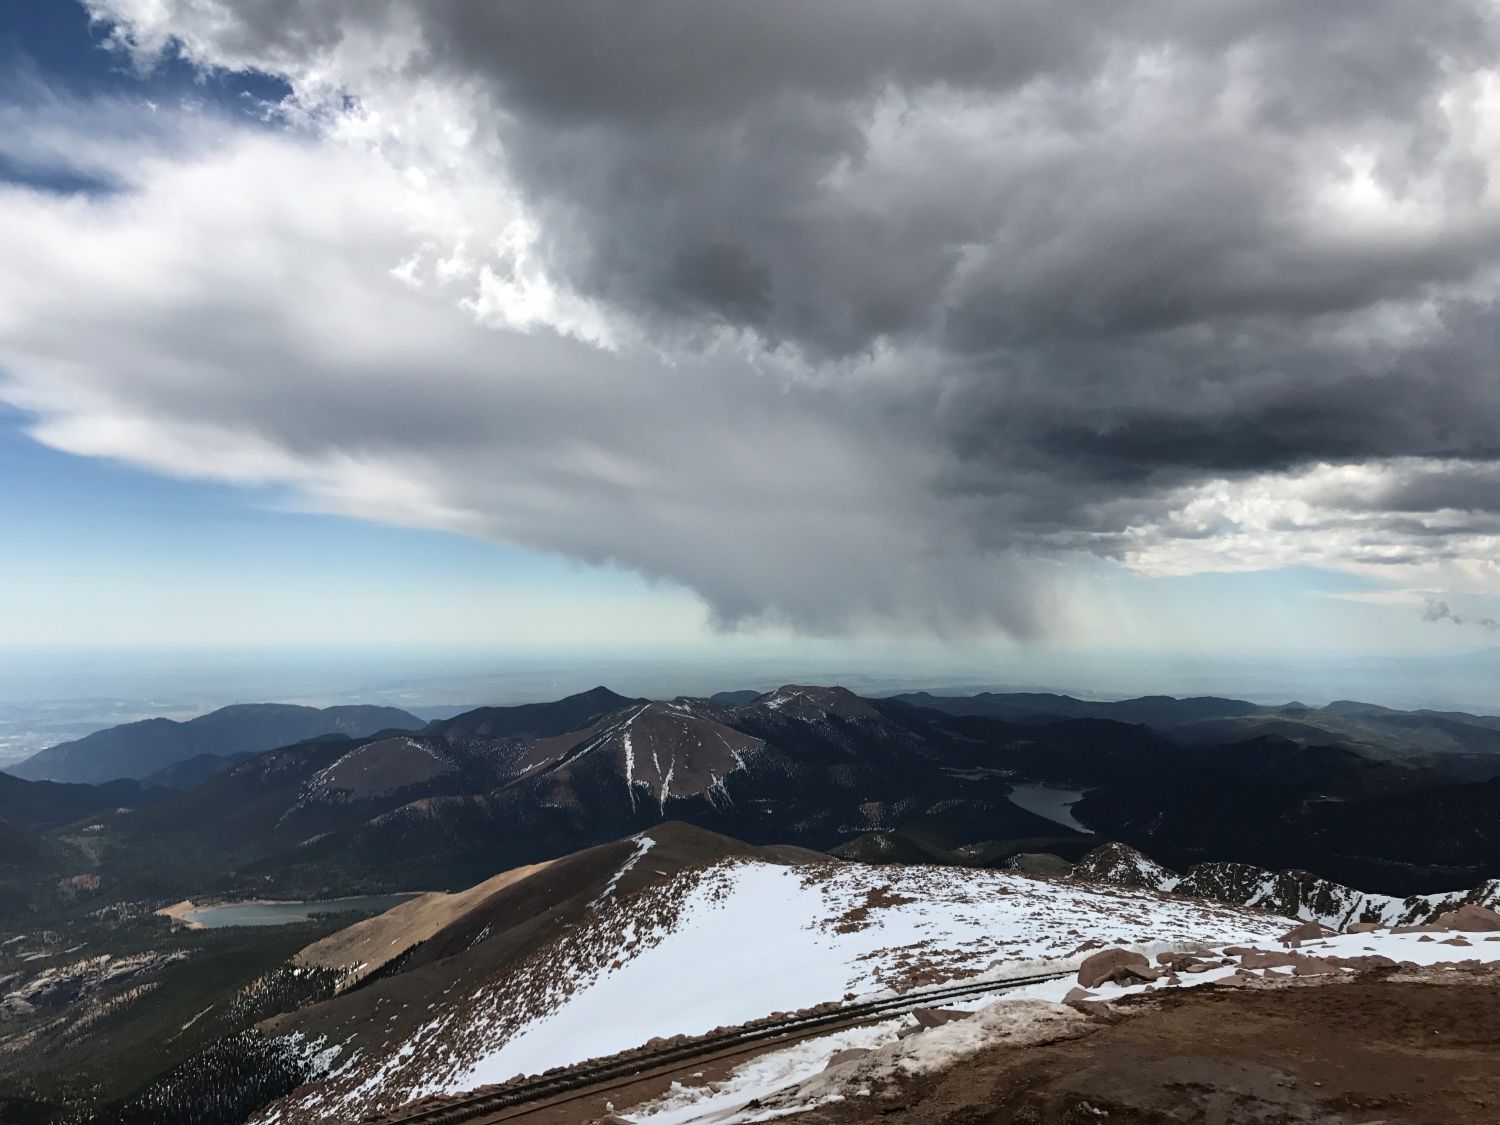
459	942
1415	1048
370	945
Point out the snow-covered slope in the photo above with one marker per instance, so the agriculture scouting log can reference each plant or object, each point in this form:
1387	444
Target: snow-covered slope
739	940
1304	895
1295	894
800	1077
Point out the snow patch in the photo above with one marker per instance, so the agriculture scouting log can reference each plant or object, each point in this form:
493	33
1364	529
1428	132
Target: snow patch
643	844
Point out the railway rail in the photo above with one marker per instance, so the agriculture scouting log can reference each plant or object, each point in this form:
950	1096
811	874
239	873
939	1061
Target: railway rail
467	1107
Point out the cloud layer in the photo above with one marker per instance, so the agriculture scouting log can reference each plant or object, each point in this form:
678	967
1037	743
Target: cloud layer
836	316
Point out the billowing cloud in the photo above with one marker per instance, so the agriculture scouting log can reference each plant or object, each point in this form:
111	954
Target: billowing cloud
835	315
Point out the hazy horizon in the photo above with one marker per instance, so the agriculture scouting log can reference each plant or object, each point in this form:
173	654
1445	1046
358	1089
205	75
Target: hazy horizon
45	699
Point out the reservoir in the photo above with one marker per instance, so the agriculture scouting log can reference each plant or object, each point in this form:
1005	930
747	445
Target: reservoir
282	913
1048	801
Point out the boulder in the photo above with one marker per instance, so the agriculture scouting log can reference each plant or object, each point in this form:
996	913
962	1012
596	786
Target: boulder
1314	967
1361	927
1115	965
1307	931
1470	919
1177	962
1267	959
936	1017
1365	961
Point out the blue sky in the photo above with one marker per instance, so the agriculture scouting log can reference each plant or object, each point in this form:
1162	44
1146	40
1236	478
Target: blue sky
58	43
101	555
296	361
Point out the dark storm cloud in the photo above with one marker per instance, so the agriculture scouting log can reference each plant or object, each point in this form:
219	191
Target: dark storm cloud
1052	268
1131	167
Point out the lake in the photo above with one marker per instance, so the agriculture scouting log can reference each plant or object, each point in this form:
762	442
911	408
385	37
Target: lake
283	913
1048	801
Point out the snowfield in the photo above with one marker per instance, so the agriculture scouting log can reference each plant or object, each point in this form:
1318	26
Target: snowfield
754	938
742	939
797	1078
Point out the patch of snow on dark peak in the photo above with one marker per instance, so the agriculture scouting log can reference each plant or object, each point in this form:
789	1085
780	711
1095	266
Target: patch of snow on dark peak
807	702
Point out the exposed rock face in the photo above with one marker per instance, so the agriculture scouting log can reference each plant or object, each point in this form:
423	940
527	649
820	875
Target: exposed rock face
1427	908
1123	866
1297	894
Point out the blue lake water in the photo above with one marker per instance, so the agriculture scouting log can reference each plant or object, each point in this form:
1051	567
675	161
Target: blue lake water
282	913
1049	801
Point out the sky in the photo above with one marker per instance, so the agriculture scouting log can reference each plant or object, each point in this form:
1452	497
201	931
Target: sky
968	335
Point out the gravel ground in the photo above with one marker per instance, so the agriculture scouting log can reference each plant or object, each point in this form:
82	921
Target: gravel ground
1409	1046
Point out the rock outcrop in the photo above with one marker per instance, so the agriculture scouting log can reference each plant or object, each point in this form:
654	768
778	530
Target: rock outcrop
1123	866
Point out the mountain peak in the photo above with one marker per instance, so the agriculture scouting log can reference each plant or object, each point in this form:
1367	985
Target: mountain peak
806	701
660	750
535	720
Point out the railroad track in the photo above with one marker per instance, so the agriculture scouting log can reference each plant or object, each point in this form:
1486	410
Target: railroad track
468	1107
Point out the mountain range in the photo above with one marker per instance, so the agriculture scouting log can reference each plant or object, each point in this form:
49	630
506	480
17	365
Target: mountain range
890	780
1458	742
560	798
142	749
